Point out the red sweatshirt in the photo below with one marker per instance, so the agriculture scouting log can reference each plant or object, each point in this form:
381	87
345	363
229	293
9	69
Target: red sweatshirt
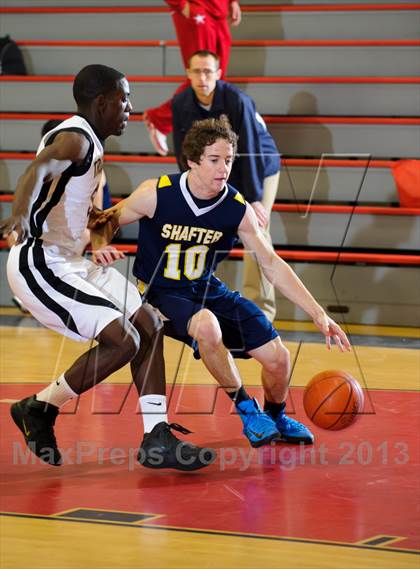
217	8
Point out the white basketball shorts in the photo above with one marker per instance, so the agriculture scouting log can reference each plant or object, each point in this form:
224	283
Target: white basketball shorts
69	294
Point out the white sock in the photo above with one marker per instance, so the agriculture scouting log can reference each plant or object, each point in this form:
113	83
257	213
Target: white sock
57	393
153	409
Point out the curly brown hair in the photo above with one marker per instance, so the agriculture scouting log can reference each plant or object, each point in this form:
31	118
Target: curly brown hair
205	133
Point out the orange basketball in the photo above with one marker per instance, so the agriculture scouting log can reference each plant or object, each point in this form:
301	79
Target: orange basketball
333	399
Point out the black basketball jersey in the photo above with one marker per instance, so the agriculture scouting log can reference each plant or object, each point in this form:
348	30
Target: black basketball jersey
183	242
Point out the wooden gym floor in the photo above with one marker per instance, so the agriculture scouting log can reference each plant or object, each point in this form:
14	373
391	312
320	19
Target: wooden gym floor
350	501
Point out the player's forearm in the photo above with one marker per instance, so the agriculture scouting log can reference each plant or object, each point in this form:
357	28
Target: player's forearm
24	190
98	239
103	225
285	280
54	158
125	212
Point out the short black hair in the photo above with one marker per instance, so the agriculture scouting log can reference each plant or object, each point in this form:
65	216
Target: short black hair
205	133
205	53
94	80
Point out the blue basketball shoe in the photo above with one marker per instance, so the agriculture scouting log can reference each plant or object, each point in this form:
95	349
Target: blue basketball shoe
259	428
291	431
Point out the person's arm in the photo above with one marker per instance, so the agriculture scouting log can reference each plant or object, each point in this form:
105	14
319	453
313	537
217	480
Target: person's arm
235	13
251	163
177	131
284	279
180	6
67	148
98	199
104	224
98	205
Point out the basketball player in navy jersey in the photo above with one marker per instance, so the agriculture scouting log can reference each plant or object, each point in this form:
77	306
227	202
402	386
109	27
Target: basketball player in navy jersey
188	223
70	294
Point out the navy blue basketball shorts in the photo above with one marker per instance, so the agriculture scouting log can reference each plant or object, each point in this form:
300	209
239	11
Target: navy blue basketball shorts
244	326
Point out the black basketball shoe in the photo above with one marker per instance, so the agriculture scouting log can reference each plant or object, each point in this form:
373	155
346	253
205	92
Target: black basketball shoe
36	421
161	449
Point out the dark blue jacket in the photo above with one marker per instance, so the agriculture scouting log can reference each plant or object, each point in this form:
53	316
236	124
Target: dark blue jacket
258	156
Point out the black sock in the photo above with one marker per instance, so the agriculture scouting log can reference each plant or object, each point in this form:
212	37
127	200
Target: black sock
239	396
273	409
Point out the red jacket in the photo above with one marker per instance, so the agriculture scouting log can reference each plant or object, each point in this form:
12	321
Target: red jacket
217	8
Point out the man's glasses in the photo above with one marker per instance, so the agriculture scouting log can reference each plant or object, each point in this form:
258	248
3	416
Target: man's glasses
206	72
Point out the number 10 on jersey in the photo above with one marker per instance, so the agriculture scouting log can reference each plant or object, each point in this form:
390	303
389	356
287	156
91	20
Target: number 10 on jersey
194	261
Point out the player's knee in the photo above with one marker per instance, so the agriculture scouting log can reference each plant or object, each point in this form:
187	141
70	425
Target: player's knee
279	361
131	344
205	327
155	322
121	336
147	321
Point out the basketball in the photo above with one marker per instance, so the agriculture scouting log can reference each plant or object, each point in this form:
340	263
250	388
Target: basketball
333	400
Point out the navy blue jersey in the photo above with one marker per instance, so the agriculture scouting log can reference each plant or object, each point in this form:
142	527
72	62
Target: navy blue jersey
183	242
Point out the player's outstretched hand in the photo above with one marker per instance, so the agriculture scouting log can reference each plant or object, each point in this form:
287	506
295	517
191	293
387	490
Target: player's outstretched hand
16	224
104	224
98	217
331	329
107	256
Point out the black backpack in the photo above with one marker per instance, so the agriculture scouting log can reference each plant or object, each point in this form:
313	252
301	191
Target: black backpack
11	59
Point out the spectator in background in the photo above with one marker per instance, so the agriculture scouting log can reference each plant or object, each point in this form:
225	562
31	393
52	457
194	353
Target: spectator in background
199	24
256	170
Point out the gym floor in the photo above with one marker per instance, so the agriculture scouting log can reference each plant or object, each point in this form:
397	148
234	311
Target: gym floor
351	500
